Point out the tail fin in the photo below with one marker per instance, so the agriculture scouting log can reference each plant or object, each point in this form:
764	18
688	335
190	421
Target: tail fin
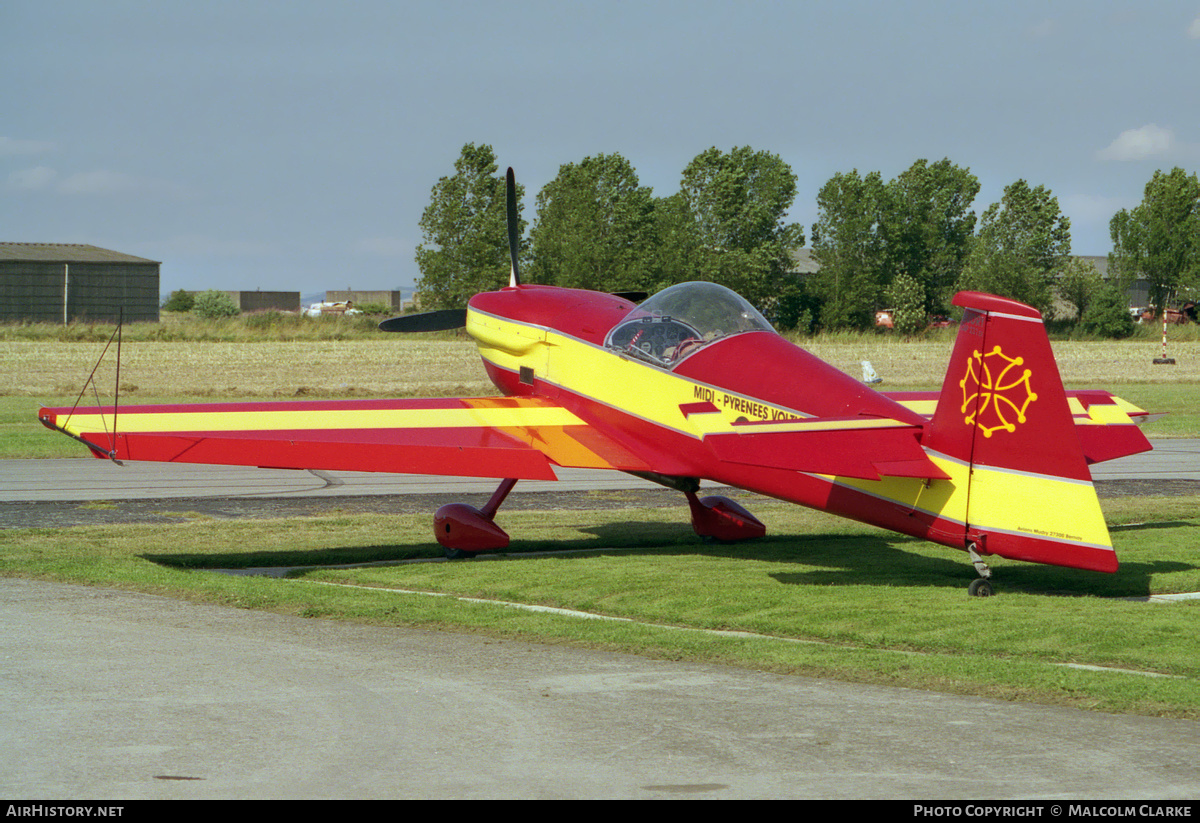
1003	419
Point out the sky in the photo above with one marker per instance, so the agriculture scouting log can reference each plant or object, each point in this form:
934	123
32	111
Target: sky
293	146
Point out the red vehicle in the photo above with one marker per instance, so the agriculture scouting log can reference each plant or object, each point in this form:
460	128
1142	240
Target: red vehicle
691	384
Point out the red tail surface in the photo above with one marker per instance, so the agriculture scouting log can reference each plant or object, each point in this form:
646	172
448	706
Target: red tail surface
1005	424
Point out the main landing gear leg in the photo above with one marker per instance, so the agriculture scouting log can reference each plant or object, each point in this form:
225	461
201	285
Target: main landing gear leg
465	530
983	586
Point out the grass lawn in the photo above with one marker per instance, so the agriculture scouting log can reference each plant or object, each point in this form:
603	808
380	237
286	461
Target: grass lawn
818	596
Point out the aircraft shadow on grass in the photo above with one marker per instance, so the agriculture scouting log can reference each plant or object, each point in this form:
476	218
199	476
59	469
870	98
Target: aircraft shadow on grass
832	559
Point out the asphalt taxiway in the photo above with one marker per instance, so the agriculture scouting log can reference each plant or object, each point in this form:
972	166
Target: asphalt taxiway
91	479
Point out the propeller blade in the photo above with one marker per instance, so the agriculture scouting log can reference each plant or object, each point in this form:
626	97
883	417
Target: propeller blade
510	194
426	321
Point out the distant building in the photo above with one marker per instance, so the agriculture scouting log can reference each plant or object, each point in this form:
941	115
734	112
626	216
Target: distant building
249	301
65	282
803	262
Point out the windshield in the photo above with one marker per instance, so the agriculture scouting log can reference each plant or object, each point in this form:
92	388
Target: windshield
682	319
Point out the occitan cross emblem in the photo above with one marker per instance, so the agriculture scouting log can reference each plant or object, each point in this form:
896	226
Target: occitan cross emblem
996	391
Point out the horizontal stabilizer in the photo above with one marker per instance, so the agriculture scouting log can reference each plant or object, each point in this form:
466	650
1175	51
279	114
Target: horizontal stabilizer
811	446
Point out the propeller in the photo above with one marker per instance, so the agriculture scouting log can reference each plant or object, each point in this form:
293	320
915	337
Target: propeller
510	196
441	320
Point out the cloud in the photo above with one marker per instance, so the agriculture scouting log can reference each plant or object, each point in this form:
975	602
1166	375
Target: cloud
1089	208
92	183
1194	29
1138	144
39	177
10	147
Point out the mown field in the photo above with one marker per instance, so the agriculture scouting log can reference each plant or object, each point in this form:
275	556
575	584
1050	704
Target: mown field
48	371
818	596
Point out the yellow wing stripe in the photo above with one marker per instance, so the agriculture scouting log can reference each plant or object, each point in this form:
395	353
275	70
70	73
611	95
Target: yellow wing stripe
292	420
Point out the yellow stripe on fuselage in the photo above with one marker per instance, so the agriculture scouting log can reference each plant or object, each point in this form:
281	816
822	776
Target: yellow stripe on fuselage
1005	501
622	382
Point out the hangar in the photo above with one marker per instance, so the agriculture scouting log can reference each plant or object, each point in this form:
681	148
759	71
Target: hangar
68	282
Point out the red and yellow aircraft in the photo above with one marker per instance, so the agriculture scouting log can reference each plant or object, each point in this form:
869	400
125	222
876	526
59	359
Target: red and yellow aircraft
691	384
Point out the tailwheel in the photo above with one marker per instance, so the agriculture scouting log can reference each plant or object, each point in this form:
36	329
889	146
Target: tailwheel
980	587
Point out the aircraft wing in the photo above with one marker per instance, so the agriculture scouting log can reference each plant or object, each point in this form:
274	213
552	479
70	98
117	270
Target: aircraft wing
515	437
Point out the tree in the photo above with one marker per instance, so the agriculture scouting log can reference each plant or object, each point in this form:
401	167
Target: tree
464	248
594	227
869	233
1022	241
180	300
849	245
1160	238
213	304
927	226
737	202
908	298
1078	284
1107	315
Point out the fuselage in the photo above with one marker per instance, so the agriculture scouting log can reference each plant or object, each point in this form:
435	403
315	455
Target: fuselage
558	343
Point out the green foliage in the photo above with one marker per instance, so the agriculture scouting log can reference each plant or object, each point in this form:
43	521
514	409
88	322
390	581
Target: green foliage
1107	314
464	247
214	304
928	226
1022	241
594	228
677	251
908	298
375	308
1160	238
179	300
1078	284
849	245
868	232
737	202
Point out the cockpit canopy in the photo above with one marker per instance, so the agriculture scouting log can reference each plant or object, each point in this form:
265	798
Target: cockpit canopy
682	319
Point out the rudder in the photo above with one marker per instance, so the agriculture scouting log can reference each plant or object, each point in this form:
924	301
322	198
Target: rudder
1003	418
